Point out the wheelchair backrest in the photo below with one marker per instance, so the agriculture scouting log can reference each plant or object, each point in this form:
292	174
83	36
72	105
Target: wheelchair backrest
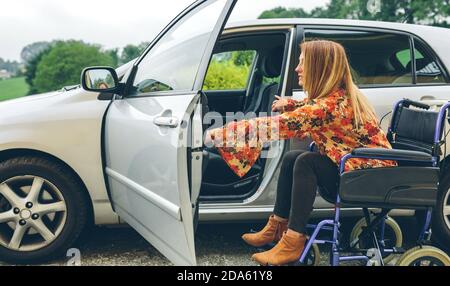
414	128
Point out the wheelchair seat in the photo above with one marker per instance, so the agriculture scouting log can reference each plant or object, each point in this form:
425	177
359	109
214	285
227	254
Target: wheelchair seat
391	188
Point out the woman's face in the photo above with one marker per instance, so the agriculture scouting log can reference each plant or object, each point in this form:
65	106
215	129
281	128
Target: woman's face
299	70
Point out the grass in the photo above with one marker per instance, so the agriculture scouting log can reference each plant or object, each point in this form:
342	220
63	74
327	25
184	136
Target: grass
13	88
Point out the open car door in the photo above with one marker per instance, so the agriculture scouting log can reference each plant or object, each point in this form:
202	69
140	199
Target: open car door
153	133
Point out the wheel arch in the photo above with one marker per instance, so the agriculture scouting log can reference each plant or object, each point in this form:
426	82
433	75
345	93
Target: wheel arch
20	152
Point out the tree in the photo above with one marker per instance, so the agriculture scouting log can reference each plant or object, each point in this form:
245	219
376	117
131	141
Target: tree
243	58
11	66
31	67
62	64
114	54
435	13
281	12
30	51
131	52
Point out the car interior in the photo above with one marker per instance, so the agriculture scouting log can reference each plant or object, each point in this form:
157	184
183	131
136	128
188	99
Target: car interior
383	66
390	57
263	83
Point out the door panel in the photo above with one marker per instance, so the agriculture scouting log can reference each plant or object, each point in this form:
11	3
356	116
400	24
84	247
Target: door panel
147	170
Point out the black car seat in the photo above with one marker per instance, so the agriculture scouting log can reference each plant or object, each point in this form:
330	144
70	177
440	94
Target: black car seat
264	93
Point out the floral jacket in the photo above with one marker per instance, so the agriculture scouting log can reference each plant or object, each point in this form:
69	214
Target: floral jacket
328	121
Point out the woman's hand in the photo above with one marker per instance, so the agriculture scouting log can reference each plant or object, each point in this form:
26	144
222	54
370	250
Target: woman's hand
279	104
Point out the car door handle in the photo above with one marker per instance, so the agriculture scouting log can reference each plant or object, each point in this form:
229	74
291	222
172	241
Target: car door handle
170	121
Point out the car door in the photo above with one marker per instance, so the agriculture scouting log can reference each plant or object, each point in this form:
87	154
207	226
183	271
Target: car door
154	130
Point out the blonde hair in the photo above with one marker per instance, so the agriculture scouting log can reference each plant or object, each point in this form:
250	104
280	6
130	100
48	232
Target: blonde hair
326	69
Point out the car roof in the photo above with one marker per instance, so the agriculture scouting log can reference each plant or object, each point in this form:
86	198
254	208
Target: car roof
336	22
438	38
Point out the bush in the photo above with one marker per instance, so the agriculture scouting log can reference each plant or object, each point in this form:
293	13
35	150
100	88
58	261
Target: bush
226	75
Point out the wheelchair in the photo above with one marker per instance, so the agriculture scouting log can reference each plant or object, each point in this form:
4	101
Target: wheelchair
415	134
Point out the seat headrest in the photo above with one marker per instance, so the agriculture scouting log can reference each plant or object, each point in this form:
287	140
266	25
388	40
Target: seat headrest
272	62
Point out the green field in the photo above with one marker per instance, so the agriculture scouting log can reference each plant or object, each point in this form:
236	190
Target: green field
12	88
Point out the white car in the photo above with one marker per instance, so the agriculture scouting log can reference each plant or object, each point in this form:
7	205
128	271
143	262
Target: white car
133	153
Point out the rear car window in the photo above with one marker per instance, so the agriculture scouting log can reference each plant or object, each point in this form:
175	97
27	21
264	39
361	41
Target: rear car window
376	58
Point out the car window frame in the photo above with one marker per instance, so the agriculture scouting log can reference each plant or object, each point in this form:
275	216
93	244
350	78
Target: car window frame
434	56
287	31
302	28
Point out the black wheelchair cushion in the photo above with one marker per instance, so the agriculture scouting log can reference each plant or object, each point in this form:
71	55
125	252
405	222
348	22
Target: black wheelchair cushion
395	187
416	124
390	153
414	129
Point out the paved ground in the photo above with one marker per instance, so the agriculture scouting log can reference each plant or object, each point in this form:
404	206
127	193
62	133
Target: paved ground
216	244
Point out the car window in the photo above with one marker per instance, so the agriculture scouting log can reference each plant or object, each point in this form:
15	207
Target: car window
229	70
375	57
427	69
172	64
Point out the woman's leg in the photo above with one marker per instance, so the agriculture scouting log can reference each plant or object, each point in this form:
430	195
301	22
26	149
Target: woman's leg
311	170
284	187
277	223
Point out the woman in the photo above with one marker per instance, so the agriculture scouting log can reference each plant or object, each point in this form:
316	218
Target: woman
336	115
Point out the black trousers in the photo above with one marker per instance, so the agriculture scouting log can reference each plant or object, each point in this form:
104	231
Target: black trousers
300	175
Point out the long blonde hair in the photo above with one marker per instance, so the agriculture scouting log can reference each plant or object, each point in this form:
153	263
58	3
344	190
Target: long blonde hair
326	69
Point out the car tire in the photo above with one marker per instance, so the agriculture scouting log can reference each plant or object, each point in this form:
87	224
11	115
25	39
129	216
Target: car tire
441	214
55	220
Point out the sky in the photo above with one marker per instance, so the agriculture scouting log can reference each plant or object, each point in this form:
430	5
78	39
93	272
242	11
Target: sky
110	23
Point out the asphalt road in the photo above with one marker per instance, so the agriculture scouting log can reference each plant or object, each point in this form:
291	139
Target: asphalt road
216	244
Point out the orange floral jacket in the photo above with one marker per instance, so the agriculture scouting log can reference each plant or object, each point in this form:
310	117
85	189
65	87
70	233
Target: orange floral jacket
328	121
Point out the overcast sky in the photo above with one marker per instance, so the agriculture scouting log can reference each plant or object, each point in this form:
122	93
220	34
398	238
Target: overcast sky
111	23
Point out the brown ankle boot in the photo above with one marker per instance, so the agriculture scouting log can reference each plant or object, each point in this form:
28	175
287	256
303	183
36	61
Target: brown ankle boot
288	250
271	232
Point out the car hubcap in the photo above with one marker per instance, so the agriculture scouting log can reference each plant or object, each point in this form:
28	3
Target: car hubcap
446	208
32	213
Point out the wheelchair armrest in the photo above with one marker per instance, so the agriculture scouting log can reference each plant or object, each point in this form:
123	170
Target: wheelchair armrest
392	154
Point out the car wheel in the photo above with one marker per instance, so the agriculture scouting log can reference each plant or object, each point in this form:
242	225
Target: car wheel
441	214
43	209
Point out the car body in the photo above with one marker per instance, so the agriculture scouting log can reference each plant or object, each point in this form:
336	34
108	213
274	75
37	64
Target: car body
131	162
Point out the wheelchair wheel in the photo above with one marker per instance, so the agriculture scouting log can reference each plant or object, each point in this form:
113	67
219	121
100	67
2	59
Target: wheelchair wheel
424	256
312	258
393	236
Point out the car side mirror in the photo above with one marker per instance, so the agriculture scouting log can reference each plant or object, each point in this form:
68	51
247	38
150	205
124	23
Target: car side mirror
100	79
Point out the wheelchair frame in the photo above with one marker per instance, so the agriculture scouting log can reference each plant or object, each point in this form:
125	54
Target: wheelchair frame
333	225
